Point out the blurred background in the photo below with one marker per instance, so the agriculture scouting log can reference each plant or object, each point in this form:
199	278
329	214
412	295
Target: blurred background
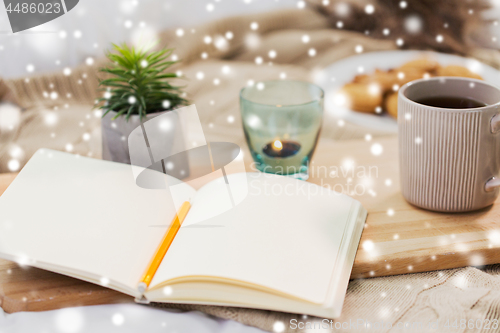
93	25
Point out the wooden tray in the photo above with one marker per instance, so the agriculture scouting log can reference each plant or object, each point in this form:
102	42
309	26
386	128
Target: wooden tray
398	238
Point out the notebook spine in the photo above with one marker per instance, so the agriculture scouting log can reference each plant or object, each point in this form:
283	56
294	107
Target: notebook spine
142	300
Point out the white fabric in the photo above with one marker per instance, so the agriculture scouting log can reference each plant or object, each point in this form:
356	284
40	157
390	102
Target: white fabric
123	318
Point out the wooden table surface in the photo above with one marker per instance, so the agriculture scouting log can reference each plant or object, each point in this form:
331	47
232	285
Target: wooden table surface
398	238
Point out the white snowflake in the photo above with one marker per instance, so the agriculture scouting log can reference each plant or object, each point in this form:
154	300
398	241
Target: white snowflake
167	290
342	9
369	9
368	245
51	118
118	319
376	149
221	43
413	24
165	104
279	327
252	41
13	165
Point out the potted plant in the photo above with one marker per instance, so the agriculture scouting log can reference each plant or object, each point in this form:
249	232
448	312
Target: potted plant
136	89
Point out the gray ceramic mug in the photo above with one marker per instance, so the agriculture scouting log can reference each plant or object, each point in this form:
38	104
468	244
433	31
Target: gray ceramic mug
449	158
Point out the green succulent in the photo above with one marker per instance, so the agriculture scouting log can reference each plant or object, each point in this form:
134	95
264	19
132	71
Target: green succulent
137	82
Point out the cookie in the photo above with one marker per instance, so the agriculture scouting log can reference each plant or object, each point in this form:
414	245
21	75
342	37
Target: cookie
385	79
391	104
364	97
454	70
405	75
368	92
423	65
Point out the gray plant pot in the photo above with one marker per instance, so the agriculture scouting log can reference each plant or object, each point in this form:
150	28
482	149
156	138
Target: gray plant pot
115	134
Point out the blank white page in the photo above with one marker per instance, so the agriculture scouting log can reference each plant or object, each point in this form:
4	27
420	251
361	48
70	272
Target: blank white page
285	235
83	215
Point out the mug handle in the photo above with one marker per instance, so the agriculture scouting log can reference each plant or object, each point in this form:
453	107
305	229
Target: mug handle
495	128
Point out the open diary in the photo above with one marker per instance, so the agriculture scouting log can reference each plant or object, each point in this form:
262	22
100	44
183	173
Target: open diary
287	246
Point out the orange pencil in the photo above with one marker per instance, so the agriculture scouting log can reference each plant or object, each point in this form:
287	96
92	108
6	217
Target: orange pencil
164	245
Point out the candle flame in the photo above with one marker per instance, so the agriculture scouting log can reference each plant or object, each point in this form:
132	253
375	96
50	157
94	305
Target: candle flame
278	145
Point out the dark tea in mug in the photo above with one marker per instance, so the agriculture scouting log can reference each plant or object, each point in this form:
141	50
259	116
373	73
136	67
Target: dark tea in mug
451	102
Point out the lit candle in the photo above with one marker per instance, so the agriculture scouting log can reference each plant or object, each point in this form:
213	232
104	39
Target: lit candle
281	149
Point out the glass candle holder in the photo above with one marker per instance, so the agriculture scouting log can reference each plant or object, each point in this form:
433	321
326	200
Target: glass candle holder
282	122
